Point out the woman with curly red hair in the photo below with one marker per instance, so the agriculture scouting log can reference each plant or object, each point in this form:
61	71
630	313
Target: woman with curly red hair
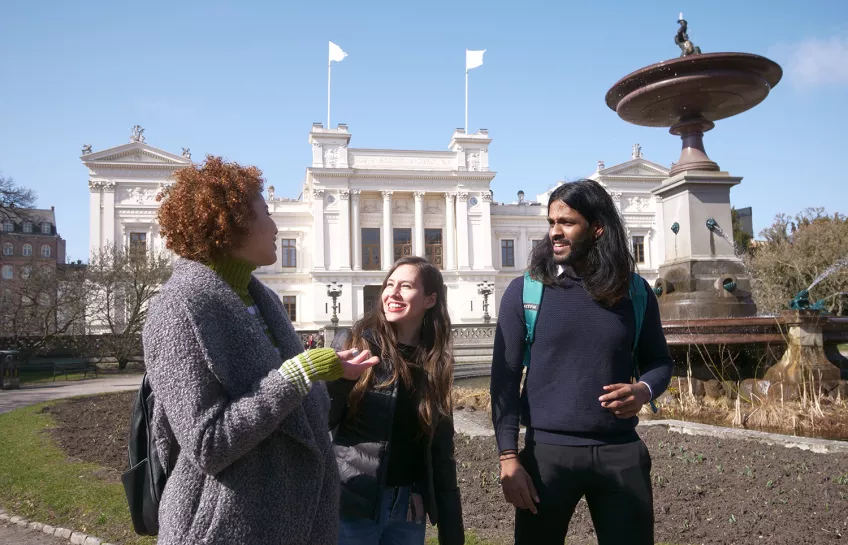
241	412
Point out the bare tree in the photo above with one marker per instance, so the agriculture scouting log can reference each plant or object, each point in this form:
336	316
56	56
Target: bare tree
42	306
797	252
122	282
14	199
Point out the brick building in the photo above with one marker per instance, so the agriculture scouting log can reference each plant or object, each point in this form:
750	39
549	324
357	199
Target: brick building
27	239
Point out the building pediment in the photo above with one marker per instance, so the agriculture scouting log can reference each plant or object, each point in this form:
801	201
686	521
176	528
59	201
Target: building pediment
137	154
637	168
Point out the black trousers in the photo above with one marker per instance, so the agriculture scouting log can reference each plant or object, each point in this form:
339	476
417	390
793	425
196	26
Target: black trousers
616	480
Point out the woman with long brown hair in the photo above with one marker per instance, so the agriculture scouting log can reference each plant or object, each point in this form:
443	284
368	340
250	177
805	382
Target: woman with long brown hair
393	427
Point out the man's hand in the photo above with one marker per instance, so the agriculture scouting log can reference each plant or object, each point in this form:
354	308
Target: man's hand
517	485
355	362
625	400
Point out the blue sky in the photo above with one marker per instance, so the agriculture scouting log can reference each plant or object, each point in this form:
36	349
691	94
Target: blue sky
246	80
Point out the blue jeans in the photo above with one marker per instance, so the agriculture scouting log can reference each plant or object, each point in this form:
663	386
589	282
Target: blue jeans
390	528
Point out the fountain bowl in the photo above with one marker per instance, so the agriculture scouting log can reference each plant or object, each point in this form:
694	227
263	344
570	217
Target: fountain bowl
689	94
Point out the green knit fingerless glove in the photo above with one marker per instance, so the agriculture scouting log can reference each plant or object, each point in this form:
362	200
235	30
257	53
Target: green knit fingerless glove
307	367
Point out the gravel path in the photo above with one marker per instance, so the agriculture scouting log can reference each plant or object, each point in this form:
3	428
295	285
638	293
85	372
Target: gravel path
30	395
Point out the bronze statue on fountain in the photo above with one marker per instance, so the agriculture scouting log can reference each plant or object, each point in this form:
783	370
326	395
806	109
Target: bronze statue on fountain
682	39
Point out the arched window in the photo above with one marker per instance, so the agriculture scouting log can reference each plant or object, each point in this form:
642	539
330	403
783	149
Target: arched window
27	250
8	249
8	272
26	271
45	251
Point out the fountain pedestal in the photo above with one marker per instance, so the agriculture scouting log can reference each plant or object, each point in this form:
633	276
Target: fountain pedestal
698	262
804	363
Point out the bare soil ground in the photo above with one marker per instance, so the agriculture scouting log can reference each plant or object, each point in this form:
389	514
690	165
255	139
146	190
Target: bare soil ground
706	490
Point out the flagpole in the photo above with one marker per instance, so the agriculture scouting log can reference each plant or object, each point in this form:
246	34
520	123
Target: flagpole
329	66
467	130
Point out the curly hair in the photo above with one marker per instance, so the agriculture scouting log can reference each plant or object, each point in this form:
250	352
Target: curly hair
208	211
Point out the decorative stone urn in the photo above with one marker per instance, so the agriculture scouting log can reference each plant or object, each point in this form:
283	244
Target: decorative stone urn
804	362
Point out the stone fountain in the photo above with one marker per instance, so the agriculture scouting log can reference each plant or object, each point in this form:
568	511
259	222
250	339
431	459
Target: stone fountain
701	275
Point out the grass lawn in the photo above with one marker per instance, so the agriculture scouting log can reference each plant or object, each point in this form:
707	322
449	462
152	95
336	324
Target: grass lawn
38	482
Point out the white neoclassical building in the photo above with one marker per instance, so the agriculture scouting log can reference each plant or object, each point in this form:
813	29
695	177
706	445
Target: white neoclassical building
360	209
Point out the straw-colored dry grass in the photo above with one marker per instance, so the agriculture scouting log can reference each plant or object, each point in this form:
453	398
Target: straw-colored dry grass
814	414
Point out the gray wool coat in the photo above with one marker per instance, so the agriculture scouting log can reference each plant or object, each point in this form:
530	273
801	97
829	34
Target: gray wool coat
255	463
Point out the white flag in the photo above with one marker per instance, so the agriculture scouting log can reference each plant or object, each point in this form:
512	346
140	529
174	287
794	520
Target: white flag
473	59
336	53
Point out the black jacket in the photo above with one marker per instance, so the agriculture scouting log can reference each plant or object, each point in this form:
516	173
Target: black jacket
362	445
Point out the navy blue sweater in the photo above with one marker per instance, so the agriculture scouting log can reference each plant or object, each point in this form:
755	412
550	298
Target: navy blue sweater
580	346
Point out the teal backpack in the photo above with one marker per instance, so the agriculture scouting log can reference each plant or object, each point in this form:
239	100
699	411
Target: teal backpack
533	290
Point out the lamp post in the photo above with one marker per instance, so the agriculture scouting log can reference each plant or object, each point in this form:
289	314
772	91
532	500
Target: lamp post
486	289
334	291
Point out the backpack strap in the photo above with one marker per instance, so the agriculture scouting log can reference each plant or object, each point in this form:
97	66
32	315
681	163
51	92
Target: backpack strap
639	298
532	298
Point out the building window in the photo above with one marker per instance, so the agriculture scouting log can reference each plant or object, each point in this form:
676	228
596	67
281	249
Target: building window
507	253
27	250
26	271
371	248
45	251
433	246
403	242
8	272
639	249
290	304
289	246
45	228
535	242
138	243
8	226
28	227
8	249
371	297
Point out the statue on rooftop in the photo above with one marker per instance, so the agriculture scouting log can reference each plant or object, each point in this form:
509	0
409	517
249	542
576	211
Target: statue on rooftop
682	39
137	134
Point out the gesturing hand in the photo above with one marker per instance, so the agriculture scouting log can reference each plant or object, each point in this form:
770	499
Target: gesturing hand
625	400
355	362
517	485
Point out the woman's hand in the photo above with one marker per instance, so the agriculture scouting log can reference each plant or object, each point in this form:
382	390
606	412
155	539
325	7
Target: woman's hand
356	362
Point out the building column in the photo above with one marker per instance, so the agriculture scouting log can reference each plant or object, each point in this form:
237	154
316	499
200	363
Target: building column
318	262
486	221
649	259
522	252
344	224
95	217
357	231
418	231
462	230
660	231
387	257
109	213
450	235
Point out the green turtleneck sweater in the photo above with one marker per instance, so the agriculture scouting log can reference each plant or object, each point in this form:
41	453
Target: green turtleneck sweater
237	274
301	370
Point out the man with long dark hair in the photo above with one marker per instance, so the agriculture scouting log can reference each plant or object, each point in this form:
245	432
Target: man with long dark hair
579	401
